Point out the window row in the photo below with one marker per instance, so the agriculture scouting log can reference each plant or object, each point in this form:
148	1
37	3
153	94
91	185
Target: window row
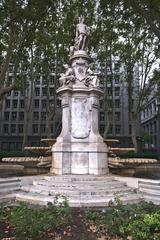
19	128
21	104
20	116
110	116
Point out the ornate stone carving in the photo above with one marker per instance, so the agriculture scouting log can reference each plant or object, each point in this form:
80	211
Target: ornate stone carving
91	78
68	76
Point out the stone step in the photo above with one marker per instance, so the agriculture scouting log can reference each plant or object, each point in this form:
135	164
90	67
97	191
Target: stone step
9	180
80	178
130	199
80	185
7	198
149	191
75	192
149	186
149	182
151	198
100	202
9	189
9	185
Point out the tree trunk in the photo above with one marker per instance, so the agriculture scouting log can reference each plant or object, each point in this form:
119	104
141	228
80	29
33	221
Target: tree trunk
133	128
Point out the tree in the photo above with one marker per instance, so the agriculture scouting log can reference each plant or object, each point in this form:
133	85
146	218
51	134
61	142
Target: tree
19	21
149	10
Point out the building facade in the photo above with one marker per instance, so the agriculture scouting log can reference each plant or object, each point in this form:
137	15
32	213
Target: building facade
13	119
117	104
150	123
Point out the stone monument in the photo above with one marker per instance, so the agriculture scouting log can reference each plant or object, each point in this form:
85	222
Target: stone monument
79	149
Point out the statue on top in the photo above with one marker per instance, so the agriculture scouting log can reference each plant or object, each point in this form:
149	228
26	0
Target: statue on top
82	33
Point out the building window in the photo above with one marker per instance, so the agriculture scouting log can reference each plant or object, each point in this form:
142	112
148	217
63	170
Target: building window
101	116
15	103
109	91
15	93
43	115
21	103
12	146
44	103
37	91
6	128
9	93
117	103
117	116
10	79
44	80
22	93
20	128
51	91
36	115
130	129
101	103
44	91
35	128
38	80
7	103
10	68
155	126
117	129
101	83
6	116
51	79
110	103
109	79
110	116
4	146
116	79
43	128
110	130
13	128
101	129
14	116
117	91
36	103
21	116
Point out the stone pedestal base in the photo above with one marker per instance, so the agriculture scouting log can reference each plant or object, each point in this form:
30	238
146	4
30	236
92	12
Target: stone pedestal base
80	158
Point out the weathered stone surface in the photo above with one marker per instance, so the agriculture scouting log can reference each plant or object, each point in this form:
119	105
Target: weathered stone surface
150	190
79	149
98	191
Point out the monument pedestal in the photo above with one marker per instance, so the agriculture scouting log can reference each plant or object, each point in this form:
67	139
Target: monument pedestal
79	149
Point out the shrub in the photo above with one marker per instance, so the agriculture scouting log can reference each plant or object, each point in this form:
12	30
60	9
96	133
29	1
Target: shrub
146	227
35	222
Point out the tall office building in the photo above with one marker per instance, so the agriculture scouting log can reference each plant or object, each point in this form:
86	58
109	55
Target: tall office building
13	110
150	123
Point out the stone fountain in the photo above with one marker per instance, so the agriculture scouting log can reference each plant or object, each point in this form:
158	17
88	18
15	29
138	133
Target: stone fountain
79	149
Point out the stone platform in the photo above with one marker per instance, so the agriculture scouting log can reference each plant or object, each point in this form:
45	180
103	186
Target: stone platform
80	191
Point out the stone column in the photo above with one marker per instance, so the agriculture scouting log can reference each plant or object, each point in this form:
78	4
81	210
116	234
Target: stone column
80	149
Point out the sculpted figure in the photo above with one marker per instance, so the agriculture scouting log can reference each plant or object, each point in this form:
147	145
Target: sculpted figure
67	77
82	33
91	79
